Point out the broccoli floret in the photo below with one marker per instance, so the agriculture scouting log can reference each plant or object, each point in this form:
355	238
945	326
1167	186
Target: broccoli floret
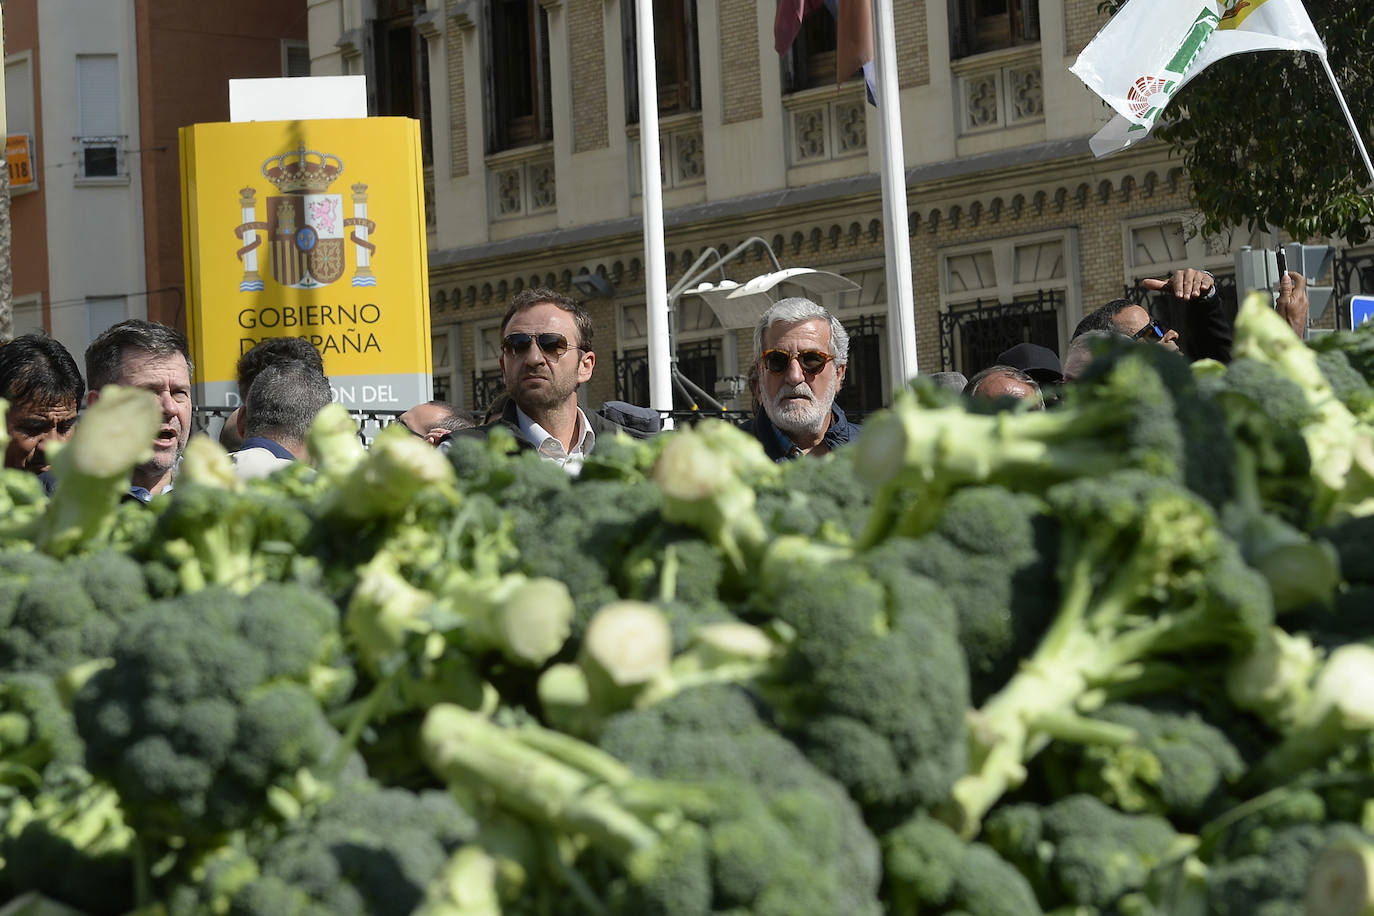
36	729
369	850
993	552
1178	765
20	566
1080	851
929	869
396	469
683	575
54	623
739	822
1347	383
1145	574
189	724
235	538
874	684
1135	407
1275	882
822	499
70	843
1357	345
114	581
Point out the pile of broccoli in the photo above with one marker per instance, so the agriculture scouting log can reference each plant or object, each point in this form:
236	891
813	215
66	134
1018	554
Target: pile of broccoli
1110	658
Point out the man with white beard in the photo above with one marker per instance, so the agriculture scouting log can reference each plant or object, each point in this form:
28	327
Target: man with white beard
801	354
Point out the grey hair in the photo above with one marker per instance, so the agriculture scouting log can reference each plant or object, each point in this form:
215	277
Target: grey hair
794	309
1010	372
284	400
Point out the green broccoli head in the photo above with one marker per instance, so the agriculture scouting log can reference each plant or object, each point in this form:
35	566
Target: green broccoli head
36	729
1275	882
54	622
190	725
929	869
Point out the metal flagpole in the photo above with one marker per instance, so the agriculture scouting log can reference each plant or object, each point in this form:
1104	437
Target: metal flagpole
896	236
1340	97
651	185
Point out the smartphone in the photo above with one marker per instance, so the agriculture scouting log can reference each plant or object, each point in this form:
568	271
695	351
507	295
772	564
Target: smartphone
1282	259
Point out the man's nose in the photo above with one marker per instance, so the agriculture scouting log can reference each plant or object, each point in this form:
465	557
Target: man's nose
794	374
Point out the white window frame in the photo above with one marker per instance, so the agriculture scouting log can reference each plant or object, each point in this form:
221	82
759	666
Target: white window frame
1007	290
100	136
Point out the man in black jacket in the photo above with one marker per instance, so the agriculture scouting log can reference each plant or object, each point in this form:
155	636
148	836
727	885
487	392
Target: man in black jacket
546	355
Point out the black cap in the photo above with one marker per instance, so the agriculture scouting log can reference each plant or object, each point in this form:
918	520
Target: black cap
1040	363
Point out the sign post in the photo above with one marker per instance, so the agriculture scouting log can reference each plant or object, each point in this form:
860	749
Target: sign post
310	229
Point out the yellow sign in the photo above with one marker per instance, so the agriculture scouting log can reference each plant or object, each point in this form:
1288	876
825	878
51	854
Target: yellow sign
310	229
19	159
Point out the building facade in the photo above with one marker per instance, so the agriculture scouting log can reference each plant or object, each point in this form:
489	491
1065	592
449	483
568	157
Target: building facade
529	108
99	90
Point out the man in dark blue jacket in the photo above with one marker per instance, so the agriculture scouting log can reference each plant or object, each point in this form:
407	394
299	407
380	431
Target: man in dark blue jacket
801	352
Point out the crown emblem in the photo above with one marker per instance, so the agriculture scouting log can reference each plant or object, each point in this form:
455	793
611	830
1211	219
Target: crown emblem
302	170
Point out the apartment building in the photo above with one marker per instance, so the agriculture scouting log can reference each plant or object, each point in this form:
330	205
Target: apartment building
97	90
530	110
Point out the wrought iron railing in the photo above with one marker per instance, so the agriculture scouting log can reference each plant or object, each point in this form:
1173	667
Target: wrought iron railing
972	336
211	419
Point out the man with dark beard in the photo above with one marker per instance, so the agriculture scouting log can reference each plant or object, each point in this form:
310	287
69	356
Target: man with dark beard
156	358
546	354
802	352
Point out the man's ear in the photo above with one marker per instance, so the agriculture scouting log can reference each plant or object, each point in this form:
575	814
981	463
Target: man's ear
241	421
91	397
435	435
584	368
839	376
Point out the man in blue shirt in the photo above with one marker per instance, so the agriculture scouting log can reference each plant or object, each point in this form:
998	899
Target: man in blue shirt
802	352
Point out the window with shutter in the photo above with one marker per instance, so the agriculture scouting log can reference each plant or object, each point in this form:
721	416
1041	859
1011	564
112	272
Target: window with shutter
518	91
675	57
97	89
976	26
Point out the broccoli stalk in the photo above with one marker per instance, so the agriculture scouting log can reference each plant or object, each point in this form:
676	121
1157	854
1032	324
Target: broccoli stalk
382	485
1144	572
1342	880
1339	710
92	470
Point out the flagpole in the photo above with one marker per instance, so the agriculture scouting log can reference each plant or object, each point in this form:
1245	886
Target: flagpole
896	236
1340	97
651	187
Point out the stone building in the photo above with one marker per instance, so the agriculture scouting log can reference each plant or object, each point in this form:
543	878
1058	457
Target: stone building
530	111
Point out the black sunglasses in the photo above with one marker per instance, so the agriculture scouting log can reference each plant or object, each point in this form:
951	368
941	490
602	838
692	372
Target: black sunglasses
812	361
553	345
1151	332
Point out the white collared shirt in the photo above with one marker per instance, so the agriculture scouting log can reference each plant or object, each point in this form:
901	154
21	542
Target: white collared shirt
550	448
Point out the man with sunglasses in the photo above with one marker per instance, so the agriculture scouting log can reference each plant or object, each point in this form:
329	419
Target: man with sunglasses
546	354
803	352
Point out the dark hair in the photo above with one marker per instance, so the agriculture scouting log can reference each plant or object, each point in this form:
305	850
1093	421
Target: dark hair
538	295
1101	319
37	369
284	400
451	418
275	349
105	355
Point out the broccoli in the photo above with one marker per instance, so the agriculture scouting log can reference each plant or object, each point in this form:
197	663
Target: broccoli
928	869
54	616
395	470
1347	383
22	503
822	499
70	843
683	575
738	822
1275	881
369	850
1340	881
1178	765
204	713
1342	461
36	729
1081	851
993	552
874	684
1356	345
1135	407
1145	573
216	536
93	469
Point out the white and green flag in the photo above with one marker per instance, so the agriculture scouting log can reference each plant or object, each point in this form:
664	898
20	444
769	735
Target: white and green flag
1151	48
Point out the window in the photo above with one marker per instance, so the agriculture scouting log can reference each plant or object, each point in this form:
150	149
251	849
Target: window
295	58
27	317
20	146
811	61
519	110
104	312
442	350
1156	246
997	295
401	67
97	87
976	26
487	383
675	57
